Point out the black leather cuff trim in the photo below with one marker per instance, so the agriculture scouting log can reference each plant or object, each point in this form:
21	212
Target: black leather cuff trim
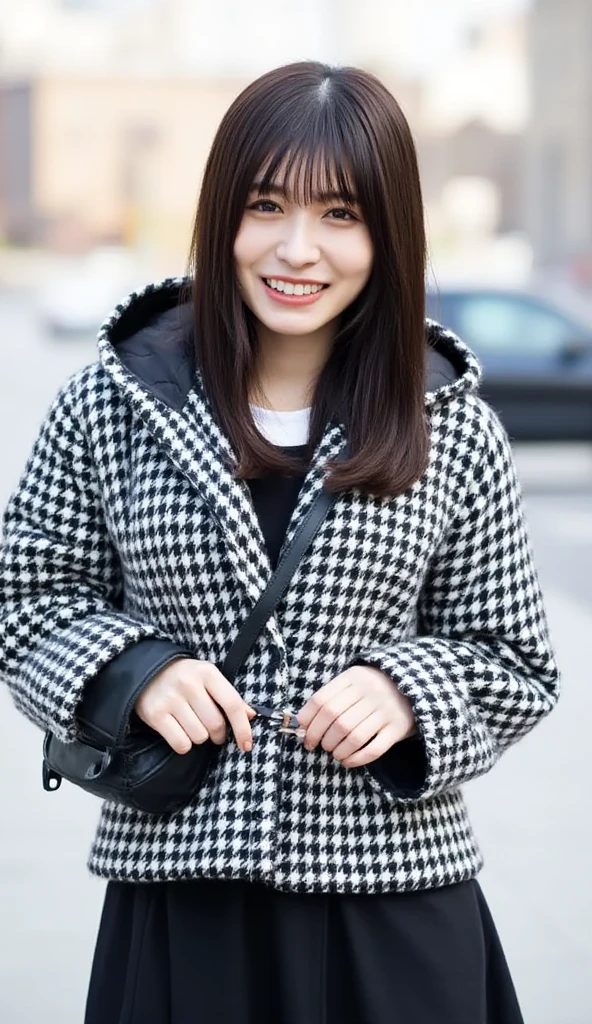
109	698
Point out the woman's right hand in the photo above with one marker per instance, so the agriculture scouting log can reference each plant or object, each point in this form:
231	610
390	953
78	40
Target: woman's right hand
183	701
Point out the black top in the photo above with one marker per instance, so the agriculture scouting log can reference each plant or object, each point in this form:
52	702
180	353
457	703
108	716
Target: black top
274	497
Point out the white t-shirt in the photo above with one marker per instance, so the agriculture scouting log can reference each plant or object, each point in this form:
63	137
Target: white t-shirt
287	429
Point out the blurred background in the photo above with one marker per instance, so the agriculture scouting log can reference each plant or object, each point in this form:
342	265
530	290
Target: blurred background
107	112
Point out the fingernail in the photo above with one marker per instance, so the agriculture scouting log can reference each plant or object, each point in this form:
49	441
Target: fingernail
247	746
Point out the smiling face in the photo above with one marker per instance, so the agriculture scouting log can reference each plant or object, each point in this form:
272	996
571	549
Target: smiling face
299	265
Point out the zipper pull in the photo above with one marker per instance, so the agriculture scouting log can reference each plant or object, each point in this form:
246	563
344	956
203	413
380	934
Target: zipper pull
291	727
287	721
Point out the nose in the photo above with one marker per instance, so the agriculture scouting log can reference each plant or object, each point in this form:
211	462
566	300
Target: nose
298	244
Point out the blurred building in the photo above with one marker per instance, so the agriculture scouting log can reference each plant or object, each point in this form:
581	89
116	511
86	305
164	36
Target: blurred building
109	111
475	151
18	218
96	158
110	106
559	157
471	146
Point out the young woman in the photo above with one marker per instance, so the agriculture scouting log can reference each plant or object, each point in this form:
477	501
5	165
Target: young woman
330	880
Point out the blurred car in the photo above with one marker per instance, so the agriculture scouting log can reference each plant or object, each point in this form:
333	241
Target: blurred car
536	359
82	290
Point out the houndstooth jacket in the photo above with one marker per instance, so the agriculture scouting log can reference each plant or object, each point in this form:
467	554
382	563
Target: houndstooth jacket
128	527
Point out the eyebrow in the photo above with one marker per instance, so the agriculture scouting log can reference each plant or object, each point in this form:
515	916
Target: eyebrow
318	197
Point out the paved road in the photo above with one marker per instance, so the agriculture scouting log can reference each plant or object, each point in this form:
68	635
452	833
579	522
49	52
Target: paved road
531	813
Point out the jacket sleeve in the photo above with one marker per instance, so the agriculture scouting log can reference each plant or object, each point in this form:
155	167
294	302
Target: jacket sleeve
61	587
481	671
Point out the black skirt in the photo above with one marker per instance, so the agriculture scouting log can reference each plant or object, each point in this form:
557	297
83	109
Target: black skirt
234	952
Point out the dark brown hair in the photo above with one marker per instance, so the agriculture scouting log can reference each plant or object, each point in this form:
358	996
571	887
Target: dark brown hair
342	127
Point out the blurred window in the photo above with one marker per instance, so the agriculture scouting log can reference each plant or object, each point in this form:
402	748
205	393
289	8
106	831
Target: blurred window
509	324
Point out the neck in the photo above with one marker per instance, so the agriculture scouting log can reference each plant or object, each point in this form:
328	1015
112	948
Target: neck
288	367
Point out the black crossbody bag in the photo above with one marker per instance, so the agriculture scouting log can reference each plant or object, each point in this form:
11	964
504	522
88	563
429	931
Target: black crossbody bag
133	764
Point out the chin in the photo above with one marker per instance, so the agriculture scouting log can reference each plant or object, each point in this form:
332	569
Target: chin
290	325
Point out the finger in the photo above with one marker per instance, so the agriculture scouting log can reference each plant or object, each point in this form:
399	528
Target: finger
382	742
174	734
328	713
348	720
209	714
357	736
321	697
233	706
190	722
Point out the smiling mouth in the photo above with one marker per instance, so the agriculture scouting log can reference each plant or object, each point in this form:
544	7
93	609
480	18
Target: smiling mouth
296	288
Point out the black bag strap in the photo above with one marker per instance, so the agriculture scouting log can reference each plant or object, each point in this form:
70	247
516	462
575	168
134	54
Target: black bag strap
279	582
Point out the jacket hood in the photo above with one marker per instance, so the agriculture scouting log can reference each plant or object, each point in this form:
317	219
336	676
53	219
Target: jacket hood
150	334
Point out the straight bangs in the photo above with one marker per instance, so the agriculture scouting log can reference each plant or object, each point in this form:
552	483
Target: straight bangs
321	134
310	169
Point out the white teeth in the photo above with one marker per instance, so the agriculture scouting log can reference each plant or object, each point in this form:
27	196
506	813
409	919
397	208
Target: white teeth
293	289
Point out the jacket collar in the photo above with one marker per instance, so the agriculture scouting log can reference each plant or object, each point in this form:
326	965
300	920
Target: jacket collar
145	347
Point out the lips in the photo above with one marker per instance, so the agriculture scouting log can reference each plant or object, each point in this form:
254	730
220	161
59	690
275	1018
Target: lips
294	280
290	298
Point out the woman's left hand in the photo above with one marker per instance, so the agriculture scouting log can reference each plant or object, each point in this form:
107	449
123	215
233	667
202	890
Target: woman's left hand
357	705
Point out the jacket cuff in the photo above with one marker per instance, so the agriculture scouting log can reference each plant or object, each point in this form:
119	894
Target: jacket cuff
122	680
403	768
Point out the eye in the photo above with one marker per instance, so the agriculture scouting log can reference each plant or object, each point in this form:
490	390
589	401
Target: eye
263	202
343	210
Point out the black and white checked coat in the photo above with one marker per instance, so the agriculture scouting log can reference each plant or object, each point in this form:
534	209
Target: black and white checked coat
127	525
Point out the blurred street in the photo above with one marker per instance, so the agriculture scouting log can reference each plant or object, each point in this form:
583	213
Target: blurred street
529	813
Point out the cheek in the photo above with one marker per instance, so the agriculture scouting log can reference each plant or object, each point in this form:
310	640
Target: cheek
241	247
355	259
244	257
247	245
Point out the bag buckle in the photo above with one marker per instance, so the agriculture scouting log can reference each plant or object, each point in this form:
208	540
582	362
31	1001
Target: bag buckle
97	770
288	724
